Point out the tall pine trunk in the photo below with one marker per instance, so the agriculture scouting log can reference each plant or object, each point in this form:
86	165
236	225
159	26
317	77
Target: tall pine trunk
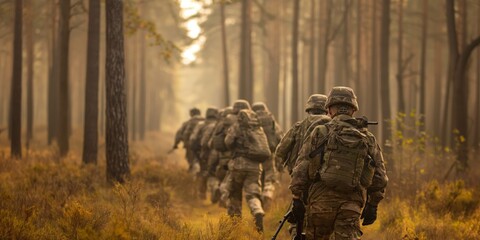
143	91
118	168
423	62
373	83
384	70
245	80
63	94
90	131
295	33
226	81
458	63
30	60
400	66
16	86
53	78
311	69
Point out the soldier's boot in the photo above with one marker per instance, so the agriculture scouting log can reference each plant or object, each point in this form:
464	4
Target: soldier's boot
259	222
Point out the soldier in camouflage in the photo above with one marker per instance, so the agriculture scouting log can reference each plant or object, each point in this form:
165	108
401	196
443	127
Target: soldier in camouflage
245	174
287	150
199	145
329	210
183	135
274	135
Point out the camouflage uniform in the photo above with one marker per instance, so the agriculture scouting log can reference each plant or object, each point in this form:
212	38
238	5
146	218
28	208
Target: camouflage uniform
183	135
245	175
330	211
220	165
274	135
200	147
287	150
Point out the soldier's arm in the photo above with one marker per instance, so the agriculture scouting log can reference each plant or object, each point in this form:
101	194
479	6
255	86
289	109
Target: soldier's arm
178	135
376	191
285	145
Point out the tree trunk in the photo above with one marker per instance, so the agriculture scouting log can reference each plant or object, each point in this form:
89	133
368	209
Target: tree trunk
384	69
30	60
143	91
311	70
90	131
372	102
16	86
245	80
438	76
295	32
63	100
400	66
346	46
358	48
323	48
226	81
423	57
477	109
117	133
458	67
53	78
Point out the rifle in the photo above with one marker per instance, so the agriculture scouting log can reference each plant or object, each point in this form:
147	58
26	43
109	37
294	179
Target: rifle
282	222
299	229
363	122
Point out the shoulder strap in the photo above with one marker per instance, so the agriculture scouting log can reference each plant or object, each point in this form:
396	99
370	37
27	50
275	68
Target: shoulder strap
325	132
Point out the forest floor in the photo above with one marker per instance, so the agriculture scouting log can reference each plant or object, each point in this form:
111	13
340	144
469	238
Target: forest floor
45	197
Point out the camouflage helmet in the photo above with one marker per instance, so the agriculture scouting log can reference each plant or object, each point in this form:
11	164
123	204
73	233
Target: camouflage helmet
212	112
224	112
194	111
342	95
316	101
239	105
259	106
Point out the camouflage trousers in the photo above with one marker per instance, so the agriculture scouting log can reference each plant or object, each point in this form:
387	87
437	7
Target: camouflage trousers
330	212
249	182
269	178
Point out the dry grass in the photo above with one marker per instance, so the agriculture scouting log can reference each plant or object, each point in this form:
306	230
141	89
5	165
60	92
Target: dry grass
44	197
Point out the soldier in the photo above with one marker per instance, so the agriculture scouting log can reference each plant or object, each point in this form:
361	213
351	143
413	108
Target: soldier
287	150
218	166
200	149
289	147
218	143
274	134
245	138
183	135
341	167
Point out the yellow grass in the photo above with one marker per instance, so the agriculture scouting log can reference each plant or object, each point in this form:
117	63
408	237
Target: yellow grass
44	197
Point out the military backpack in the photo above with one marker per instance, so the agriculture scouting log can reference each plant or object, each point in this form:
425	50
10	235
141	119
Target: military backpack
252	142
268	124
345	163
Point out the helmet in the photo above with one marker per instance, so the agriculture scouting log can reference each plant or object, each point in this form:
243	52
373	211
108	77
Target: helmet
224	112
259	106
239	105
342	95
316	101
194	111
212	112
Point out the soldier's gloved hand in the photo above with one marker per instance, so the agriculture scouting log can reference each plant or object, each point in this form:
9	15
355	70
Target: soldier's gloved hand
298	209
369	214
